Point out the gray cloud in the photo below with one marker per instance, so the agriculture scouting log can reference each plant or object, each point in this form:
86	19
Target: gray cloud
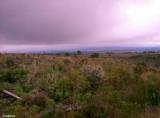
79	22
46	21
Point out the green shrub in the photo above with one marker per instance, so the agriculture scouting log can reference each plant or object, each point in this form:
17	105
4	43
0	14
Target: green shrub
67	54
76	81
12	75
129	110
47	114
92	111
79	52
9	62
153	96
139	68
94	55
61	90
83	97
153	90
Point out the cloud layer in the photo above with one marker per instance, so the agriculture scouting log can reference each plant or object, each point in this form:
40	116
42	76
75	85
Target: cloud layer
79	22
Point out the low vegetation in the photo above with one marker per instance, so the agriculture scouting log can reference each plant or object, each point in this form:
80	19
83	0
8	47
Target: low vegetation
81	86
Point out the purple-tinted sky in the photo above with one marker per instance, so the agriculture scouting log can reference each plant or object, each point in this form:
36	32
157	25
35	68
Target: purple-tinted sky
60	24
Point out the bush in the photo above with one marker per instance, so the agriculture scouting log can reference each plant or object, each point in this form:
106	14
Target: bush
79	52
153	96
93	111
12	75
67	54
139	69
38	99
94	74
146	92
46	114
94	55
9	62
76	81
153	90
61	90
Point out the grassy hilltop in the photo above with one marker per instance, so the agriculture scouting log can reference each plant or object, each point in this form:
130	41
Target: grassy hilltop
81	86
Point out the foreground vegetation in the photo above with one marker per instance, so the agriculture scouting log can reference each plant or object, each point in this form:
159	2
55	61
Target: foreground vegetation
81	86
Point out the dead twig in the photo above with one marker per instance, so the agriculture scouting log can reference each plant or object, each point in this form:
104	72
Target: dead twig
12	94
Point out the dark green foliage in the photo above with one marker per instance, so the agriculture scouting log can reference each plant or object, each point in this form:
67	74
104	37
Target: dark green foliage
93	111
79	52
153	96
9	62
140	68
61	90
11	72
94	55
153	90
47	114
67	54
12	75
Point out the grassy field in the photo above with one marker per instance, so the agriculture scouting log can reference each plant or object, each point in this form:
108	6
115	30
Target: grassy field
81	86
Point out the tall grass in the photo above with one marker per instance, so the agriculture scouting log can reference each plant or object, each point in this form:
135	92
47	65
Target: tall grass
69	86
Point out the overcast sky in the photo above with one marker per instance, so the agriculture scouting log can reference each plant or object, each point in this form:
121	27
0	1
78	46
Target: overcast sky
60	24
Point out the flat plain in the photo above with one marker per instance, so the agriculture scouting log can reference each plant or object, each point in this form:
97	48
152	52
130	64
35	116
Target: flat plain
122	85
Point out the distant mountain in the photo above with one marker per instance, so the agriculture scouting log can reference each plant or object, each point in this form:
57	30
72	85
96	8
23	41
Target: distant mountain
92	49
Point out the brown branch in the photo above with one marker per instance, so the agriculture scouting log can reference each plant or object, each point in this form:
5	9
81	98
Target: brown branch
12	94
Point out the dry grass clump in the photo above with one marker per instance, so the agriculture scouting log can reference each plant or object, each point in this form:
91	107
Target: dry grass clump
93	71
